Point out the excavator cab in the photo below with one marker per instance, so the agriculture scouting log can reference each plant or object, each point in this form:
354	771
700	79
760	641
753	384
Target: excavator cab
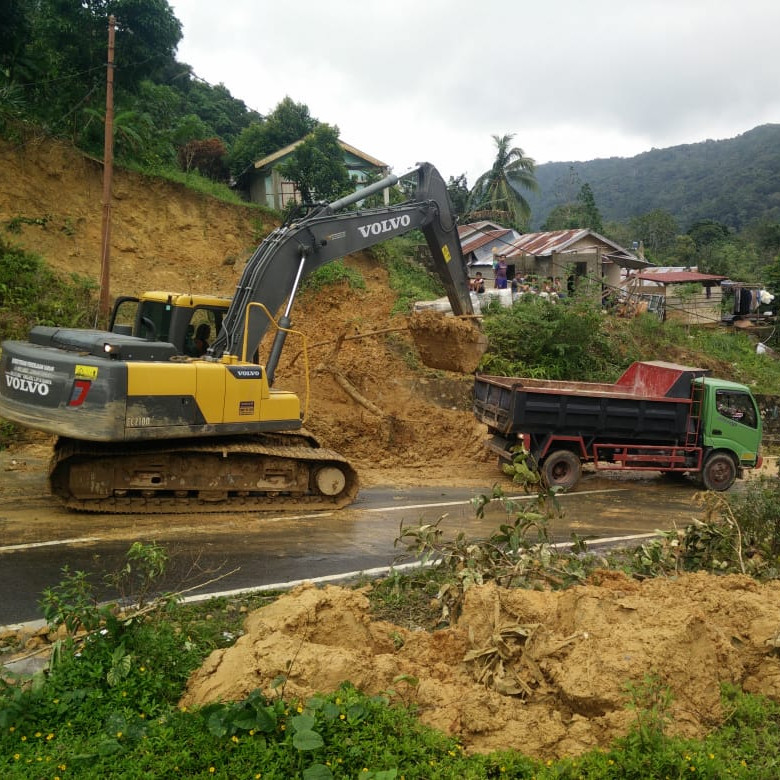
169	317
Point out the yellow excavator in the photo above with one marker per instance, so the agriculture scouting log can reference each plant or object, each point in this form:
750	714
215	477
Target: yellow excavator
145	424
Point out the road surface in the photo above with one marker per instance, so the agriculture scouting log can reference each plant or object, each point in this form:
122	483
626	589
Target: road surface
38	537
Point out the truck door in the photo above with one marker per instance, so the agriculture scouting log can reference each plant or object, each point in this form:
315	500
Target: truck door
734	424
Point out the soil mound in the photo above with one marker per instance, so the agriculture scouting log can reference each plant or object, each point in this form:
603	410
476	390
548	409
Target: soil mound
449	343
541	672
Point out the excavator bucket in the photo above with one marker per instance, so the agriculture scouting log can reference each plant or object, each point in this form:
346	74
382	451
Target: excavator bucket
446	342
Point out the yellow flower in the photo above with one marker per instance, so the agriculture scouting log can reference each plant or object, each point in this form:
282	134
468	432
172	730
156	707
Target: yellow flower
49	736
342	716
24	739
38	734
12	729
234	738
300	708
119	735
17	756
212	770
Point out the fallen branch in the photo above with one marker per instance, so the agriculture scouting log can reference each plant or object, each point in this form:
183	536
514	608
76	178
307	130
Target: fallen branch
352	392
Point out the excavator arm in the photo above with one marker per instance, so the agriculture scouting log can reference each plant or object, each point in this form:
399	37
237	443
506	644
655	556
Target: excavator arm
273	274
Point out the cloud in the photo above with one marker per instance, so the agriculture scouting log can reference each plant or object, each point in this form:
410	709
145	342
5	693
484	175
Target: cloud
435	80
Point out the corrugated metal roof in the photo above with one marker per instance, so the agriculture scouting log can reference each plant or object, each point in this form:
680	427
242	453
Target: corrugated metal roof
678	277
474	242
545	243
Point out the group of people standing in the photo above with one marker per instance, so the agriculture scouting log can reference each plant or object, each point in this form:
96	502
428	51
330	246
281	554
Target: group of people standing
550	288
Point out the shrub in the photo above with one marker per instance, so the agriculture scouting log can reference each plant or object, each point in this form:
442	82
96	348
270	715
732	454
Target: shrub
548	340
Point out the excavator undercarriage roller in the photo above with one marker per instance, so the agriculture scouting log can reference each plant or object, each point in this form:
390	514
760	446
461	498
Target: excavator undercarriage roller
275	472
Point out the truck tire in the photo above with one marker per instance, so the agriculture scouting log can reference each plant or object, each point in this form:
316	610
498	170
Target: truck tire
561	469
719	472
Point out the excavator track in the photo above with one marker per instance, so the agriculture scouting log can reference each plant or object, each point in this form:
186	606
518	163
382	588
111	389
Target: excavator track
273	472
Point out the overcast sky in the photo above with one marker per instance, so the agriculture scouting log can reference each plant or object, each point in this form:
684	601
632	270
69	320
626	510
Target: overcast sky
434	80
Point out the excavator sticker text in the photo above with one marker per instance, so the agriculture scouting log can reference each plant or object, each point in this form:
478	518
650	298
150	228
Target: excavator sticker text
85	372
29	377
244	372
385	226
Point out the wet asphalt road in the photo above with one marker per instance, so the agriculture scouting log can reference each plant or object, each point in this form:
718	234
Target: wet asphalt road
242	552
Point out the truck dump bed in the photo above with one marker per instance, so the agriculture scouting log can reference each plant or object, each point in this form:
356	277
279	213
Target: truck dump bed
650	402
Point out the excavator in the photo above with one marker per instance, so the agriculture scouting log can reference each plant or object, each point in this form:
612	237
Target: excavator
143	424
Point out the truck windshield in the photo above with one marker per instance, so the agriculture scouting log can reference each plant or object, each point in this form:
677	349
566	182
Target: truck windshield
736	406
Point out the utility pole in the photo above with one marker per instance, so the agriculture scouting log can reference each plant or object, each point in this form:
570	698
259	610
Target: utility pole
108	170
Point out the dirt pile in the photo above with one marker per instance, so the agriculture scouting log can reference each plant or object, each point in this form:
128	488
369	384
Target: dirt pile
568	654
163	236
449	343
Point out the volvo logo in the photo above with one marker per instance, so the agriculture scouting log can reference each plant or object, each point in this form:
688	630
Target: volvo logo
385	226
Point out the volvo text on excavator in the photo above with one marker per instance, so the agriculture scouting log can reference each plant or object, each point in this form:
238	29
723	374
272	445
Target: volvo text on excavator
144	424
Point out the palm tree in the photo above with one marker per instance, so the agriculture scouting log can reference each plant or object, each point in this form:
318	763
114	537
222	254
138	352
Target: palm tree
497	191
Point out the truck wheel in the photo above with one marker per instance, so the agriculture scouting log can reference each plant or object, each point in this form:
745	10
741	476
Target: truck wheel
719	472
562	469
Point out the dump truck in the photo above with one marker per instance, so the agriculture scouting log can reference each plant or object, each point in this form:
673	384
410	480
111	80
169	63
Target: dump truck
658	416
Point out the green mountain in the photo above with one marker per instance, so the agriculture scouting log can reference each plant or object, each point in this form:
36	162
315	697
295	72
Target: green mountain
735	181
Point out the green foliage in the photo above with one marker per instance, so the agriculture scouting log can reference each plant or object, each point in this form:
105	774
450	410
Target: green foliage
332	274
499	190
31	294
317	168
739	533
520	553
287	123
458	192
583	213
650	700
756	510
692	182
547	340
409	280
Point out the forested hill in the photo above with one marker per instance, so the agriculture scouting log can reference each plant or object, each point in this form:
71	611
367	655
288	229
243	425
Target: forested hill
735	181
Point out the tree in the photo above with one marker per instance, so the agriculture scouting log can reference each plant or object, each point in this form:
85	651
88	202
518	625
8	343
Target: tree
317	168
590	214
657	230
498	190
583	213
286	124
68	45
458	190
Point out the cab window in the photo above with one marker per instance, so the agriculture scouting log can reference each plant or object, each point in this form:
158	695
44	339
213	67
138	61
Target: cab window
202	330
736	406
154	320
